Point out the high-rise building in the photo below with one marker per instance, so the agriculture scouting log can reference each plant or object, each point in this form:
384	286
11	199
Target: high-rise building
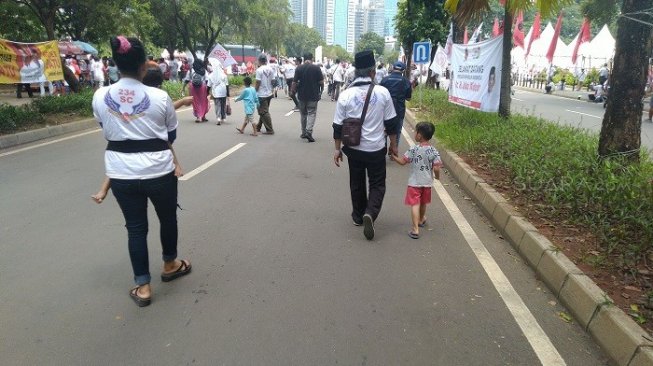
320	17
375	17
355	21
329	22
340	22
390	9
298	8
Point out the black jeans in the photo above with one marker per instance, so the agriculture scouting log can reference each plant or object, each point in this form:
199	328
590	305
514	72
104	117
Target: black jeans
360	163
132	195
19	90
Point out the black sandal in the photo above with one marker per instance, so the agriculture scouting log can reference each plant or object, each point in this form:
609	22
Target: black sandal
183	270
140	301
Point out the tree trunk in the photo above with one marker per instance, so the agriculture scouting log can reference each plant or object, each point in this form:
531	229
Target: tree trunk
621	130
504	96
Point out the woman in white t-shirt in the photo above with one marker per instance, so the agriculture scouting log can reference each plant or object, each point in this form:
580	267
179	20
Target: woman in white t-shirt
140	123
218	84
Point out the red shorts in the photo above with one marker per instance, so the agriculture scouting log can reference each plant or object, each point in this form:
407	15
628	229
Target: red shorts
417	196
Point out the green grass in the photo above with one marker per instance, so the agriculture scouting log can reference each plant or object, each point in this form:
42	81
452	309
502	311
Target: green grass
557	165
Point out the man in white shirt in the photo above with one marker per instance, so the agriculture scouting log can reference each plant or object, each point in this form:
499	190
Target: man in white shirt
218	82
264	76
288	70
338	75
368	158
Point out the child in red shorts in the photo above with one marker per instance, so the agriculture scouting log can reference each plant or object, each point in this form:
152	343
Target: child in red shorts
424	162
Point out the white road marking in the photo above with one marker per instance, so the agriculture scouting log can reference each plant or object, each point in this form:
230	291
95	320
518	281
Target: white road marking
521	100
538	339
49	142
289	113
208	164
584	114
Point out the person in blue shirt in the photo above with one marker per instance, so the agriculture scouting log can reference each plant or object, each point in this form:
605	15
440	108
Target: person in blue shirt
251	102
400	91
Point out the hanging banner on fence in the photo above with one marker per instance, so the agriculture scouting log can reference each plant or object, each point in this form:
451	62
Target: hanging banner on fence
29	62
476	74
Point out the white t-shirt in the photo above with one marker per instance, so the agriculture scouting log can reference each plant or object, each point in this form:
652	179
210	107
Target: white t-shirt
380	109
264	74
129	110
98	71
288	71
218	82
338	73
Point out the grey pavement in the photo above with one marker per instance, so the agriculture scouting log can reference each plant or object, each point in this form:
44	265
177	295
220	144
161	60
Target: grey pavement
280	277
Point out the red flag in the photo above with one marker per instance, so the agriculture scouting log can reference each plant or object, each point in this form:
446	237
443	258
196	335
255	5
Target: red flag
583	36
554	41
535	34
495	28
465	38
518	30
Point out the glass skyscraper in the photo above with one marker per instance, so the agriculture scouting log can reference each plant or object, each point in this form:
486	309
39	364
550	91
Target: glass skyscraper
340	22
390	7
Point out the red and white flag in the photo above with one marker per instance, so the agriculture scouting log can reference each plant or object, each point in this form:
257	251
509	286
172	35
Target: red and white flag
496	28
535	34
518	30
554	40
583	36
222	55
465	38
449	46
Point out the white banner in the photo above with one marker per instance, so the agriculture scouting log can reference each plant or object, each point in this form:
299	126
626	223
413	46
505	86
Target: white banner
476	74
222	55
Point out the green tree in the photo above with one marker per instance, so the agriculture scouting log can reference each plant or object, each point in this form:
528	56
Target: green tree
46	12
468	10
301	39
336	52
19	23
420	20
371	41
269	23
621	129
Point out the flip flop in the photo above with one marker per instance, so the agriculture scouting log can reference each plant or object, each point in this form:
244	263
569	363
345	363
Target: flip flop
422	224
140	301
183	270
413	235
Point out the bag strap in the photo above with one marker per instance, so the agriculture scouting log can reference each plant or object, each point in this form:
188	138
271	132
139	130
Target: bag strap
367	102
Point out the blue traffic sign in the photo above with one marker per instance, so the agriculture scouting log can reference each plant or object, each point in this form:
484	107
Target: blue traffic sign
421	52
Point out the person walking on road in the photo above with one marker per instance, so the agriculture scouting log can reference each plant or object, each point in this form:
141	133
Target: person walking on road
218	83
264	76
400	91
338	76
288	71
307	83
369	156
425	163
140	123
250	102
198	90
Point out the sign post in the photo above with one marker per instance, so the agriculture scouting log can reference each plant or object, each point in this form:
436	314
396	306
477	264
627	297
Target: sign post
421	55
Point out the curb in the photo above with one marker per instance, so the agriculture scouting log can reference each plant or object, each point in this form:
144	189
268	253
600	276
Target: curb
45	132
625	342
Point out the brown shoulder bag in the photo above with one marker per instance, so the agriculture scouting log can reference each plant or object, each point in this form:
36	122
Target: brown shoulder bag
352	127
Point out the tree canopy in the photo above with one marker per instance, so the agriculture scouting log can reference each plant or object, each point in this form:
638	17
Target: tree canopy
301	39
371	41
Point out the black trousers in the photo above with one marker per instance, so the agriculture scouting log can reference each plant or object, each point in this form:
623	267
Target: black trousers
364	164
19	90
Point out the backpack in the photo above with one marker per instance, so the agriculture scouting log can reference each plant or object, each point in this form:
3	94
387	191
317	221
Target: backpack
196	79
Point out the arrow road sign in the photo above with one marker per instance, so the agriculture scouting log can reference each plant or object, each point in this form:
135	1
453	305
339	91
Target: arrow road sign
422	52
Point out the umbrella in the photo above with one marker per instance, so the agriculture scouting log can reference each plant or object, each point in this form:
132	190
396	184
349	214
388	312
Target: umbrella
69	48
87	48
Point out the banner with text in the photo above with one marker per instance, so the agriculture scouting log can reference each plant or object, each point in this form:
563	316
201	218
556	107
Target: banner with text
29	62
476	74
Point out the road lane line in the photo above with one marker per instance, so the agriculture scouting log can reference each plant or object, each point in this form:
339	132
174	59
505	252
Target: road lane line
521	100
208	164
49	143
289	113
538	339
584	114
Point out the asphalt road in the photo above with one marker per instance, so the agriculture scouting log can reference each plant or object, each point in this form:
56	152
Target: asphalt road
576	113
280	274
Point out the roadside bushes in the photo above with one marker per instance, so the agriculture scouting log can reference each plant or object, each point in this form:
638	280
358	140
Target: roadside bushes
15	118
75	103
558	166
